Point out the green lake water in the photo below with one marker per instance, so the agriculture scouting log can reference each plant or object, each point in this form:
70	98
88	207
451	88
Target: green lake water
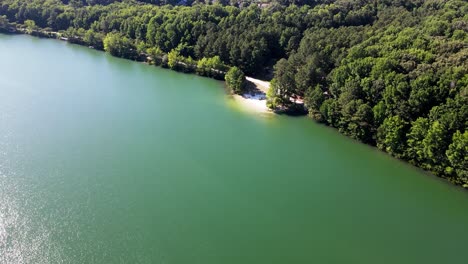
104	160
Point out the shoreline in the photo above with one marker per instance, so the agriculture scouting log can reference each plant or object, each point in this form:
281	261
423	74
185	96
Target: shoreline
252	101
251	104
254	98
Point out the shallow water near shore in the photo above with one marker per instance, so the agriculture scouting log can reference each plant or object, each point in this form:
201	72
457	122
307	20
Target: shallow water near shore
104	160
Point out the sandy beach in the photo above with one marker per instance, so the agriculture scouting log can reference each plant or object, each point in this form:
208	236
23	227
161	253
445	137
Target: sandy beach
254	99
252	104
261	85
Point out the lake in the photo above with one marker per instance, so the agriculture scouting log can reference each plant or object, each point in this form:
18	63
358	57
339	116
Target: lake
105	160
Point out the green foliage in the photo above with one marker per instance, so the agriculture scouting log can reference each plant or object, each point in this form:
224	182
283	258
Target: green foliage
119	45
418	131
330	110
434	146
361	125
210	67
141	46
249	37
282	86
173	58
273	101
156	55
314	99
457	155
4	22
235	80
30	25
379	113
391	136
94	39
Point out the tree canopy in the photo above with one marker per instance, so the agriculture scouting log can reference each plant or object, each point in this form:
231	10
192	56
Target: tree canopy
118	45
235	80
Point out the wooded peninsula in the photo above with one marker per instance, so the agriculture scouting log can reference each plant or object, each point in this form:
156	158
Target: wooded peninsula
389	73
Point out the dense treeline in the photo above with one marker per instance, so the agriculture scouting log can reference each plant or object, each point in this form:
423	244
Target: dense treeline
251	38
390	73
400	83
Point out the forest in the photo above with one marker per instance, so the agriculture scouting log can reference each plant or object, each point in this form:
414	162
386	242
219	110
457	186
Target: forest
389	73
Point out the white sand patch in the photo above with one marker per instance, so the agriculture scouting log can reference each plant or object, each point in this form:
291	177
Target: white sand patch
255	103
254	99
261	85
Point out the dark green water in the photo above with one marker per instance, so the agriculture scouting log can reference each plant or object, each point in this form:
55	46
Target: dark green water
104	160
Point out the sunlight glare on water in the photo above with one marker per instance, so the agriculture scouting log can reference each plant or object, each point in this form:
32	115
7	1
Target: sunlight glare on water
24	238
